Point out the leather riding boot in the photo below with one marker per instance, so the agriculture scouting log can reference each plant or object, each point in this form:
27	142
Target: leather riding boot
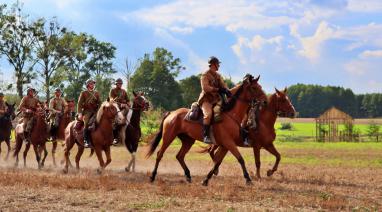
115	136
206	134
87	143
244	133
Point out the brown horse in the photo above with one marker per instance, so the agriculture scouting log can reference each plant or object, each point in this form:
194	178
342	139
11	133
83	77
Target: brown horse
6	127
66	118
173	125
39	136
101	137
264	135
133	128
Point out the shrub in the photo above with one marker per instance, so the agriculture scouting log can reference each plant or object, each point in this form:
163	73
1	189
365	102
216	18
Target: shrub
286	126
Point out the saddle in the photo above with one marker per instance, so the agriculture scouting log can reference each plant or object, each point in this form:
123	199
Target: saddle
195	114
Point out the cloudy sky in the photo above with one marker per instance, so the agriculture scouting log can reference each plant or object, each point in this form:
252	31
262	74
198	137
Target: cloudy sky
325	42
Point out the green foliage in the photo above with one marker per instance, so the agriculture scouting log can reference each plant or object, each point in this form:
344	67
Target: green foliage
156	78
190	89
373	131
286	126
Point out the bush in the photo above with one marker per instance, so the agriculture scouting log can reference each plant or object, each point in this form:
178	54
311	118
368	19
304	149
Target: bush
286	126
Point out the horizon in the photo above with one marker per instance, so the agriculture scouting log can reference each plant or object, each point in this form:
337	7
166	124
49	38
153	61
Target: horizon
335	43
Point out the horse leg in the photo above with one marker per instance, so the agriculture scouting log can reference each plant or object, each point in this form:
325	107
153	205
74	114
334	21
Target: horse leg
0	147
233	149
38	157
167	139
108	156
54	148
8	142
69	145
80	151
27	146
100	159
43	147
187	143
256	153
271	149
131	163
218	158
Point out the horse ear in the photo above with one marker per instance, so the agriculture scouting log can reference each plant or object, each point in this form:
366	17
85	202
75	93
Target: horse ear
285	90
277	92
108	99
257	79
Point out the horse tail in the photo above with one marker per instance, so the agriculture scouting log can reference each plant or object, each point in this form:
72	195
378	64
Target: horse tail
155	142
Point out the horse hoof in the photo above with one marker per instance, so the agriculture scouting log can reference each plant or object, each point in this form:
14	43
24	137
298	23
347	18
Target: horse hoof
269	173
216	172
65	171
249	183
205	183
152	179
99	171
127	169
189	179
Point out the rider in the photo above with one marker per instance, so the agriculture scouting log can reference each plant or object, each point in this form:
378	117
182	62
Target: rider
3	106
87	107
28	106
119	95
56	107
210	98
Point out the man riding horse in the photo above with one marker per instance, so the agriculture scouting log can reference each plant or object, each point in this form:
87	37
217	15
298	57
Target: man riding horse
56	108
119	95
87	107
210	99
28	106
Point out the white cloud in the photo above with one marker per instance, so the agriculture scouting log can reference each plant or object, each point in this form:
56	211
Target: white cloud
357	67
370	53
365	6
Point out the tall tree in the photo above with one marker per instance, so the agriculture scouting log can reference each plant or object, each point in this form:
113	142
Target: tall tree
17	42
156	77
49	53
190	89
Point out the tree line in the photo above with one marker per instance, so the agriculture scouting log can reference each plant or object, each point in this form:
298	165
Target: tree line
313	100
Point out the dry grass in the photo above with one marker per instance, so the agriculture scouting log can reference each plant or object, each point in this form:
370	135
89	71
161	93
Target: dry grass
302	187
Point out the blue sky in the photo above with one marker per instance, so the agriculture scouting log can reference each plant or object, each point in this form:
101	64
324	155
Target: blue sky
325	42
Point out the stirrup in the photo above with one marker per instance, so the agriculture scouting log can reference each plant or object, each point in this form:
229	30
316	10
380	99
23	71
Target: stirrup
87	144
246	142
115	141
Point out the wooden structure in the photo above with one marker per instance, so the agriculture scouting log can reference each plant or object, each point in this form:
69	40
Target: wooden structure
328	123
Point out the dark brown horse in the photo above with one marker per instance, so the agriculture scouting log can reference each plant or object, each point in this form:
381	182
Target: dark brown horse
133	128
226	133
101	137
264	135
6	126
39	136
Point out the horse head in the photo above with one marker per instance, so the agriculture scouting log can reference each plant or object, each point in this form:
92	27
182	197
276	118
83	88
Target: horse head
11	110
140	102
282	104
252	90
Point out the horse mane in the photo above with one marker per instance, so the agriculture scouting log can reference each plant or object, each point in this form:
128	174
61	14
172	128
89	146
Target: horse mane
237	90
100	111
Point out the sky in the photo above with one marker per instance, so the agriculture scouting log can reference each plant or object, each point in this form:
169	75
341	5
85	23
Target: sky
323	42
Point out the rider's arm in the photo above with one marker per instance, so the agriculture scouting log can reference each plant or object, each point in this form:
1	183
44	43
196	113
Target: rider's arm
206	87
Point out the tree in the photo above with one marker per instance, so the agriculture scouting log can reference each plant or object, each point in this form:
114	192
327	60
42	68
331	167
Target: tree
156	77
128	71
17	42
49	53
190	89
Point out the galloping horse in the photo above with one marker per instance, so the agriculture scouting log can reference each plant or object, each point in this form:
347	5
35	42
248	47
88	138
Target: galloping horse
66	118
6	126
133	129
39	135
226	133
101	137
264	135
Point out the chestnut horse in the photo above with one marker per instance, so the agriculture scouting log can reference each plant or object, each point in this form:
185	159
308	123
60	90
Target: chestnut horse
173	125
6	126
39	136
264	135
133	128
101	137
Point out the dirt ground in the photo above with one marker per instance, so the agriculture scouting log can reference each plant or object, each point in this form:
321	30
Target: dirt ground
312	120
293	187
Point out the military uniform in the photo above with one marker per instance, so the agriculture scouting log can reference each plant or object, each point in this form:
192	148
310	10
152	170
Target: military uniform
119	95
28	105
88	105
56	108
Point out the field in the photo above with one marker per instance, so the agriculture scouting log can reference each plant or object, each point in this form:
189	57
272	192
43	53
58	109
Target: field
312	176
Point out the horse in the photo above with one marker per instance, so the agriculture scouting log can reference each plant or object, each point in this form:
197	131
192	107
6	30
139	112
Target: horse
39	136
6	126
66	118
133	128
101	137
264	135
173	125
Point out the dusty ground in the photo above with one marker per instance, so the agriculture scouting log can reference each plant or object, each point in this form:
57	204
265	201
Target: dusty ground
293	187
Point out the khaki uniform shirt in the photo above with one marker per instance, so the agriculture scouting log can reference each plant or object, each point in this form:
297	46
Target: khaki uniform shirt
30	103
57	104
119	95
89	101
210	81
